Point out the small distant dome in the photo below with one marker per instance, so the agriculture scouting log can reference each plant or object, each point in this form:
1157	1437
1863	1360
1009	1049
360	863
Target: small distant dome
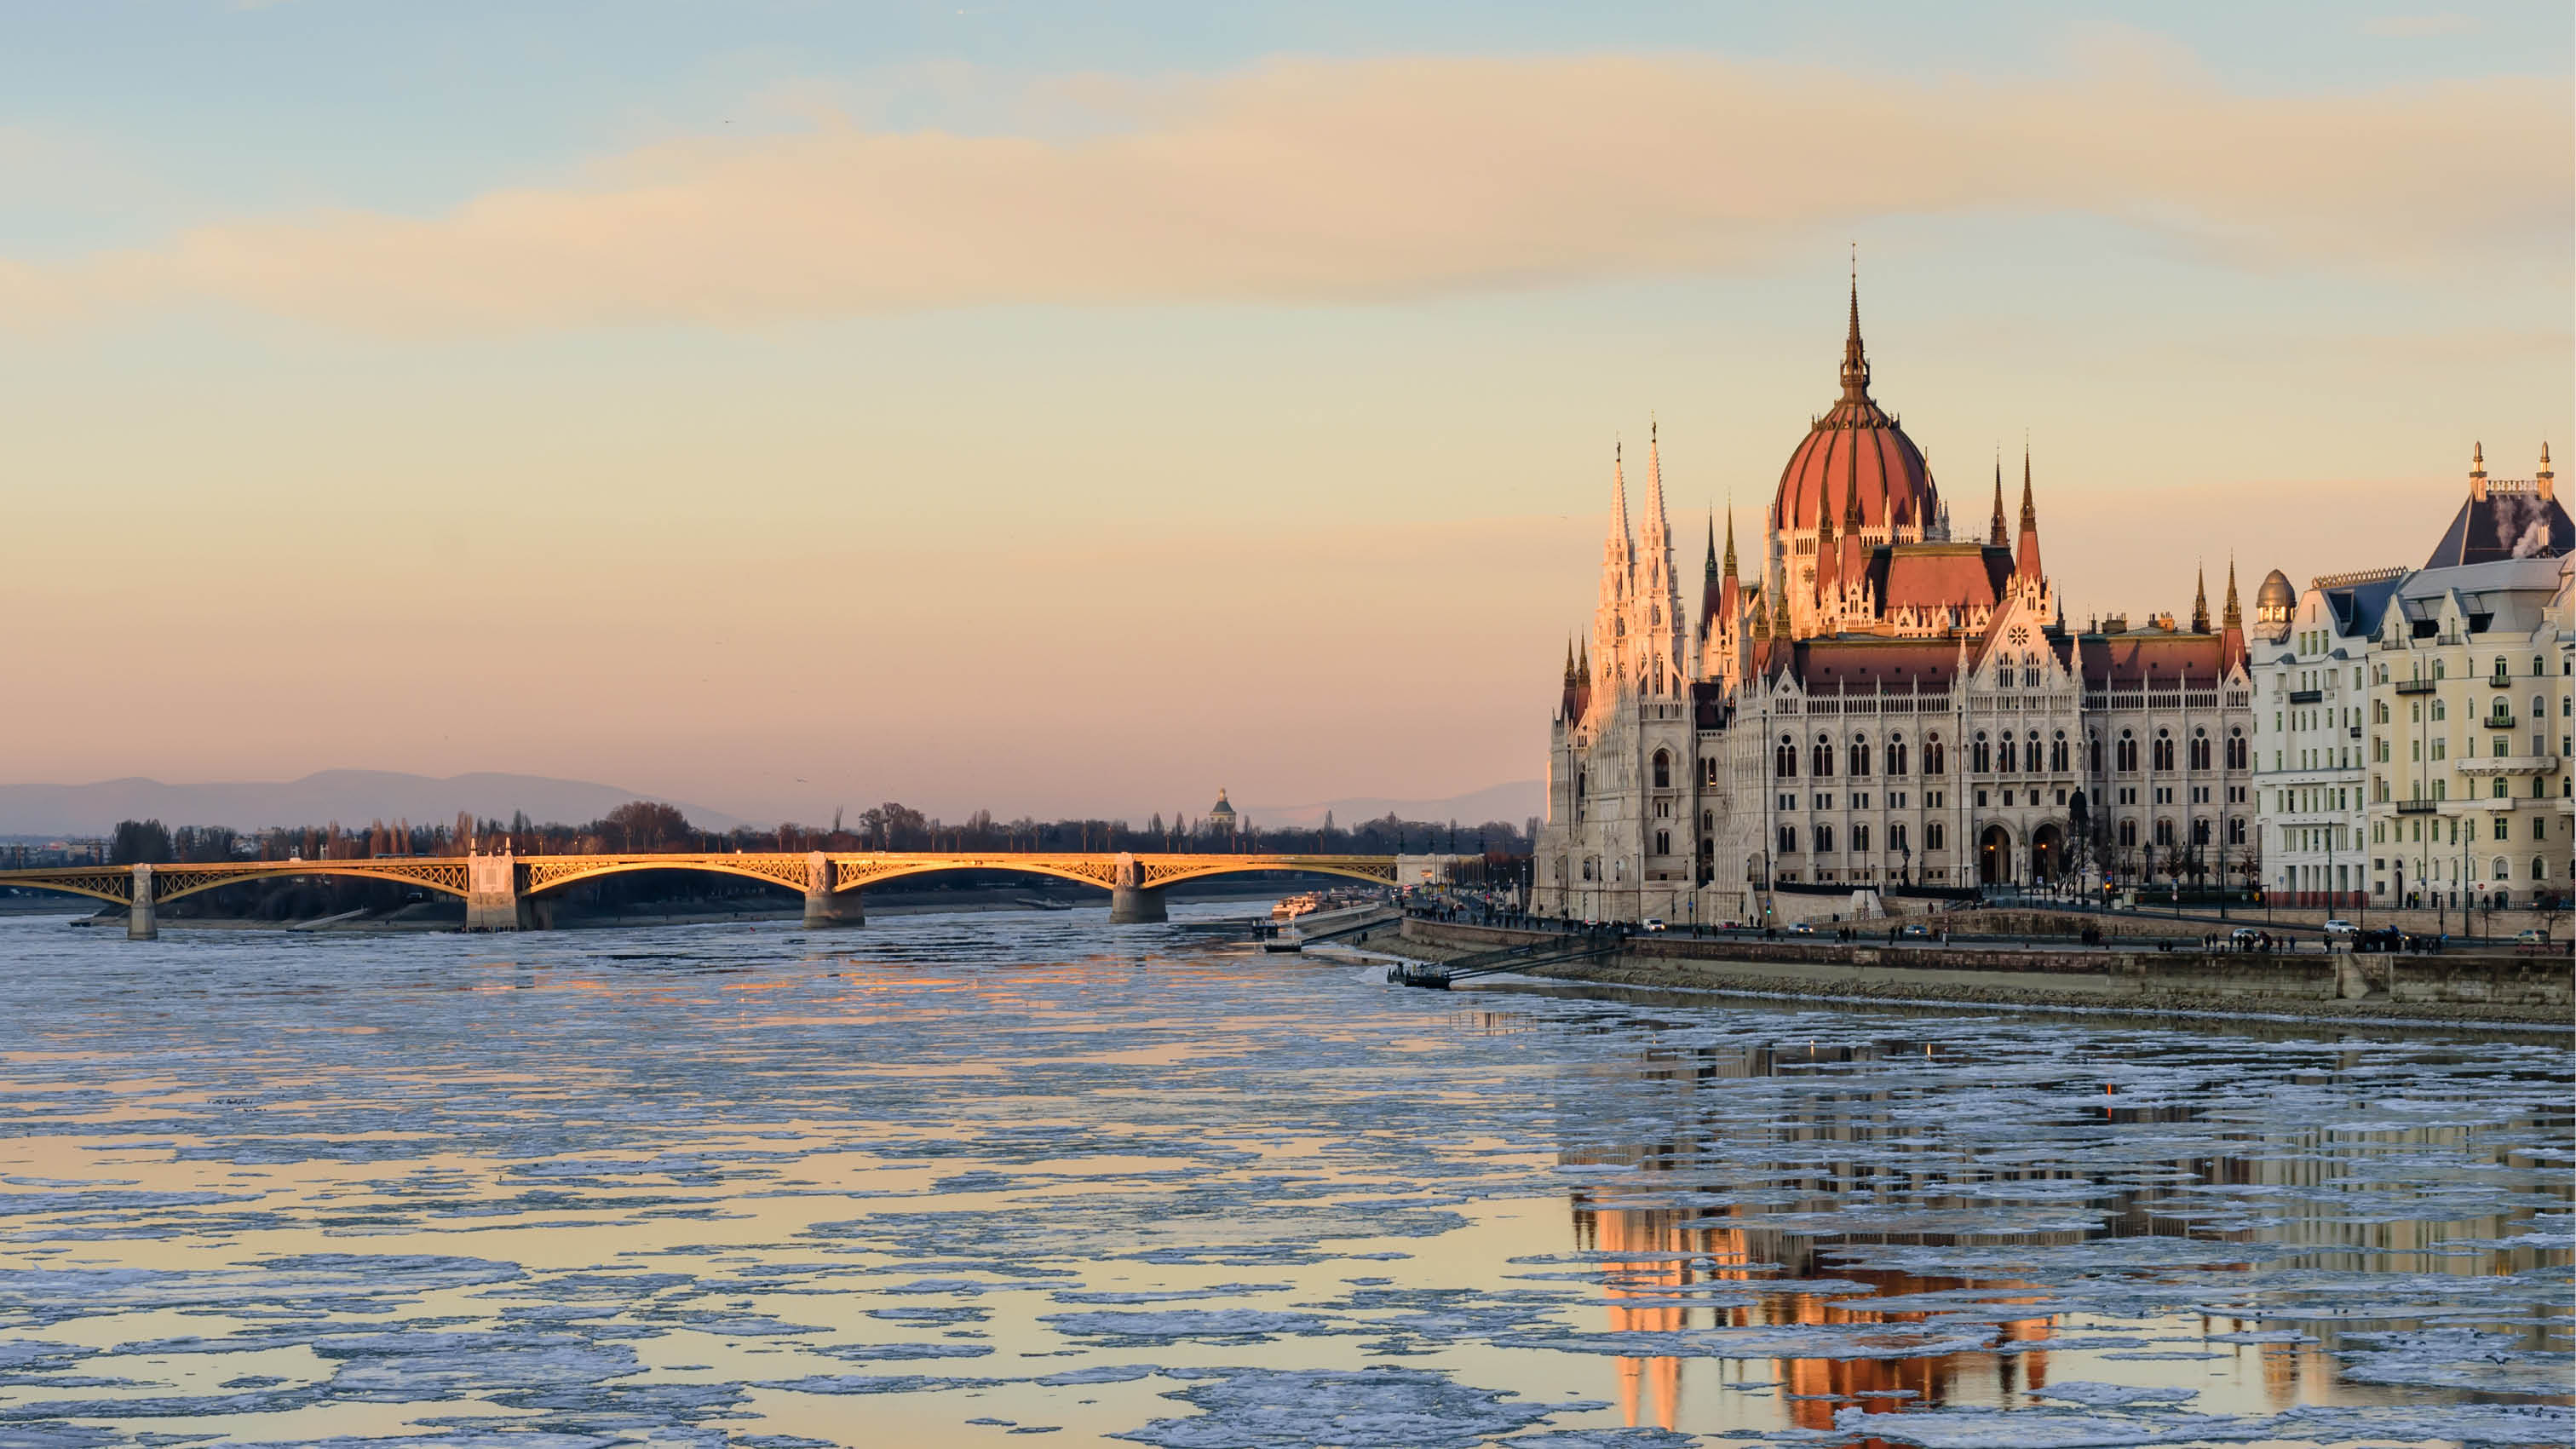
2273	605
1220	812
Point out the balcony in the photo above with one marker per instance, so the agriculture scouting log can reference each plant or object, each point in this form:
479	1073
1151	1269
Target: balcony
2500	721
2500	681
2510	765
2306	696
2415	807
2414	686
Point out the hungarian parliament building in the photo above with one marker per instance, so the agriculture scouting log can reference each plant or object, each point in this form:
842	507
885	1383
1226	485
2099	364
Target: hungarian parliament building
1885	703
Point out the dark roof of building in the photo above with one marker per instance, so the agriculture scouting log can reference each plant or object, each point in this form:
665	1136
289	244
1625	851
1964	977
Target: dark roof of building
2508	522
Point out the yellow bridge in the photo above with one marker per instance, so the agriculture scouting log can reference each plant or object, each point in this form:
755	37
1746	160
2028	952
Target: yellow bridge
497	889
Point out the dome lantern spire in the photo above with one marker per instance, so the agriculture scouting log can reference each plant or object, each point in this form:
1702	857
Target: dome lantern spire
1855	358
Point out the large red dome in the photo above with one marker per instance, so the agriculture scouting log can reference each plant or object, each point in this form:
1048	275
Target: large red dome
1857	447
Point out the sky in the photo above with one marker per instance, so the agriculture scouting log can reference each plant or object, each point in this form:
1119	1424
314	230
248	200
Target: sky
1073	410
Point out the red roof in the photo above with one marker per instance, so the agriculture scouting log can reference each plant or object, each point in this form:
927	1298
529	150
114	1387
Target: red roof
1939	575
2130	661
1867	663
1856	446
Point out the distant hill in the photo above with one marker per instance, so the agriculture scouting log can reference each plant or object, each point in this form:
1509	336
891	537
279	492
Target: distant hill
351	797
1514	803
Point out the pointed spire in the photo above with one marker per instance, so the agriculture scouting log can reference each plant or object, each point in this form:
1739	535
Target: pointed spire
1569	660
1730	525
1855	358
2026	563
1657	526
1618	494
1780	611
1995	535
2478	471
1827	555
2547	480
1711	570
2233	617
2199	601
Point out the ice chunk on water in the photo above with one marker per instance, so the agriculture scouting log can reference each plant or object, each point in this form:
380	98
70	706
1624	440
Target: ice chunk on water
1179	1323
2101	1396
1374	1408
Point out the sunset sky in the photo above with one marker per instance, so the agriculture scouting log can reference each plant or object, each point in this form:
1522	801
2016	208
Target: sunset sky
1061	409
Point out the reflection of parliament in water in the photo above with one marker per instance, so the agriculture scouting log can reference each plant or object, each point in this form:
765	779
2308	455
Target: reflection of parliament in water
2308	1165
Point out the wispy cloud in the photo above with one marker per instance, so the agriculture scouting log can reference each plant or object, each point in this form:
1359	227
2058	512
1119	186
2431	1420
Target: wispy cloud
1342	181
2408	26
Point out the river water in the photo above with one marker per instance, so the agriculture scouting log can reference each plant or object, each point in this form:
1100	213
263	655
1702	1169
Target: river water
953	1180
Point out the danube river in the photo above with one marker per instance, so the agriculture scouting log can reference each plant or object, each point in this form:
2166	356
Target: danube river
951	1180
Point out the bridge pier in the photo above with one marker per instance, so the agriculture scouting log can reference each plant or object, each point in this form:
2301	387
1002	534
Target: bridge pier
142	916
1131	902
492	892
1134	905
824	906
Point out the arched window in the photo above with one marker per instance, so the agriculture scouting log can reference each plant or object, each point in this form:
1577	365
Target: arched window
1788	840
2057	753
1784	760
2164	831
2538	668
2236	750
1932	835
2200	832
2004	753
2500	872
1896	755
1860	757
1823	768
1824	840
2164	752
2439	711
2093	753
1708	820
1981	758
1860	839
1663	769
2128	832
2200	749
1936	760
1896	839
2128	753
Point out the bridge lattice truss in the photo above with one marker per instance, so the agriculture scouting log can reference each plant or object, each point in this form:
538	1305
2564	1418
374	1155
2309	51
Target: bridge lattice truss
849	871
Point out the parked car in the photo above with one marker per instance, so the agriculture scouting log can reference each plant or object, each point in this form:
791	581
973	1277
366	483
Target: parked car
1652	923
2341	930
2533	936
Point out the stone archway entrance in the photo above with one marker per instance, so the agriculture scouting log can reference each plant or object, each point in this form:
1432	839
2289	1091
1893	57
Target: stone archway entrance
1994	856
2047	853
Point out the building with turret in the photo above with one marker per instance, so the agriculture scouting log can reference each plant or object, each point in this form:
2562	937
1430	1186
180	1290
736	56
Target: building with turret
2416	736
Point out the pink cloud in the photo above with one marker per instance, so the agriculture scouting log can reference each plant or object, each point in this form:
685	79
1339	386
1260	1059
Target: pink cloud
1341	181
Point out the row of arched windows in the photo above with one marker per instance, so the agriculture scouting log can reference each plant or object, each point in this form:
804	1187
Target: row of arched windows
2003	754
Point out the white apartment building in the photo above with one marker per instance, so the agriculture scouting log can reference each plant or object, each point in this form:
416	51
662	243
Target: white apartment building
2310	660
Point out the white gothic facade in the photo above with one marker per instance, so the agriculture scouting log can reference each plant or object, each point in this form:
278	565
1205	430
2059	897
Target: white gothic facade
1886	704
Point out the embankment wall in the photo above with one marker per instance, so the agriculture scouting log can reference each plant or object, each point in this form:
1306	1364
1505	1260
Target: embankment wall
2485	985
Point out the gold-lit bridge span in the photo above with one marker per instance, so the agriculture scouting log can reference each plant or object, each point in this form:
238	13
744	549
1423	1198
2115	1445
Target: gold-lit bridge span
498	889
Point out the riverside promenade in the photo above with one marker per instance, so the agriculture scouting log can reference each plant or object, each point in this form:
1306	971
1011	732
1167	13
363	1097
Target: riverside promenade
2493	985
